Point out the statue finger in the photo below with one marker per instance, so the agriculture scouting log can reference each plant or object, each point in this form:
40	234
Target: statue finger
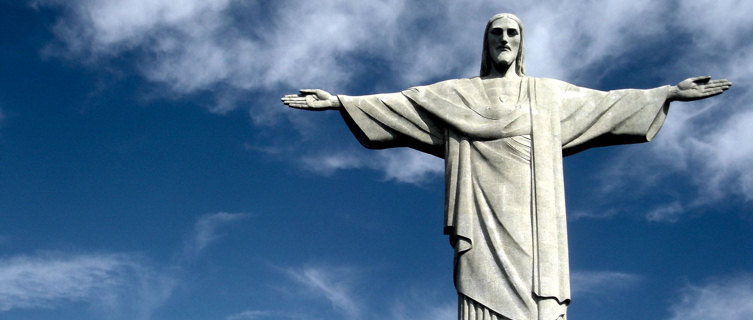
298	105
721	83
725	83
708	92
293	99
715	93
701	79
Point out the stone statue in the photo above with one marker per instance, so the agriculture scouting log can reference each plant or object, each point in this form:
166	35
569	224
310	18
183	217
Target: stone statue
502	136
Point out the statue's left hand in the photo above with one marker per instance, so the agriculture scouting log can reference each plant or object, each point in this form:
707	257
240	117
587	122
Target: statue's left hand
698	88
312	99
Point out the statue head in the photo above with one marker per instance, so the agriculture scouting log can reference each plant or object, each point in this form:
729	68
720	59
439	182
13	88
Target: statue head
492	56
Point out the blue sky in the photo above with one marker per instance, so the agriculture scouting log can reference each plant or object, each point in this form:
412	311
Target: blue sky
149	171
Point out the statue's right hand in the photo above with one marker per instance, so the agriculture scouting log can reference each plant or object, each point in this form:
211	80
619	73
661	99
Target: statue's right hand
312	99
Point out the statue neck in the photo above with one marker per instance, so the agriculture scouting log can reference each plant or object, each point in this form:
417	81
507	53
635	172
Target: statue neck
499	71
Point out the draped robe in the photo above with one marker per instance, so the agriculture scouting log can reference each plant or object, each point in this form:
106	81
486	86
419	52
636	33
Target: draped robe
504	202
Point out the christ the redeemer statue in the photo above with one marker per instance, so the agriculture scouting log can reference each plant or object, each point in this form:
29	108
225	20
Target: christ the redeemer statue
502	136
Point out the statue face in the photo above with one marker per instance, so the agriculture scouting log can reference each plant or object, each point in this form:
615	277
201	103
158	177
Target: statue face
503	41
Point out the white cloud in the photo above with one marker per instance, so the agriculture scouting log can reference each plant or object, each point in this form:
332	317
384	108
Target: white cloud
706	142
564	38
710	137
447	311
600	283
329	163
725	157
205	232
117	285
347	289
591	214
233	49
267	314
423	304
333	284
728	298
716	23
192	45
402	165
252	314
410	166
666	213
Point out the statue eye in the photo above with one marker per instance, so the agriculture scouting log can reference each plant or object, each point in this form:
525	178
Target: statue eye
496	31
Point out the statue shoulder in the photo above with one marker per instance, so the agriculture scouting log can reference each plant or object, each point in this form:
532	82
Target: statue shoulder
552	83
447	84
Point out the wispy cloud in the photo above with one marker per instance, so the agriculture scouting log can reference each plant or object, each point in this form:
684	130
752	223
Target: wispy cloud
729	298
423	304
335	284
206	231
600	283
233	50
351	295
402	165
114	285
591	214
704	143
193	45
252	314
117	285
565	38
267	314
666	213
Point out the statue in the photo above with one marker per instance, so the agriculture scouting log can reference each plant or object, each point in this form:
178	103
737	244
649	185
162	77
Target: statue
502	136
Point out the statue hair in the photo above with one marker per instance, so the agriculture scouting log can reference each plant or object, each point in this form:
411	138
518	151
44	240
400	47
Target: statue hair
487	63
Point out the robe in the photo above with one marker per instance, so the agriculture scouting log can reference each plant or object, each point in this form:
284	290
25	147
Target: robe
504	201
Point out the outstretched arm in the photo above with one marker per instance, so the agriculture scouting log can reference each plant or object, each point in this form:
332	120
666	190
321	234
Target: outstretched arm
312	99
697	88
591	118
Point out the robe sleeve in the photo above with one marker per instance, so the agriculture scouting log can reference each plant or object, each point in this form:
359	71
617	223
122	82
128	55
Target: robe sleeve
392	120
591	118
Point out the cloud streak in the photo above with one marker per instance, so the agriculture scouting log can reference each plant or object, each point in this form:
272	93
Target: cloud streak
266	314
401	165
333	284
347	290
192	45
729	298
422	304
239	51
599	283
113	285
117	285
205	232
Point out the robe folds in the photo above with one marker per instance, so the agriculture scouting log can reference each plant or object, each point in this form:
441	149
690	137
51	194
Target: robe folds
504	201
